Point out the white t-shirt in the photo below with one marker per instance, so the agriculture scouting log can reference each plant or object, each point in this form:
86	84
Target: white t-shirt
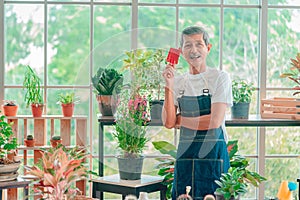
217	81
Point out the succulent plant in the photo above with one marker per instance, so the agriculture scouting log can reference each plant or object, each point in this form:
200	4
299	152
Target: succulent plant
56	137
29	137
105	81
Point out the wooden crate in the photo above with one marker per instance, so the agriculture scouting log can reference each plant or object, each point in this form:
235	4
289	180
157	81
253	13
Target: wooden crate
280	108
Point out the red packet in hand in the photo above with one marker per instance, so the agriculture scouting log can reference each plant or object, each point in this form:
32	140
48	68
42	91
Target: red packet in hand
173	56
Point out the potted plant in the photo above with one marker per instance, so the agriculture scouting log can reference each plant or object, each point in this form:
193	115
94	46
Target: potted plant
33	96
230	185
242	92
8	145
10	108
130	134
29	141
239	176
107	83
67	102
146	70
55	140
294	73
57	172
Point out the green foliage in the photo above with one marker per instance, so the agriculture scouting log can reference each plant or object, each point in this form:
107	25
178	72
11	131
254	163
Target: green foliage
66	98
241	163
8	141
166	165
56	137
29	137
146	68
242	91
32	84
130	128
231	184
107	80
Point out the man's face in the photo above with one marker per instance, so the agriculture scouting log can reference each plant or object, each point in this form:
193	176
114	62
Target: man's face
194	50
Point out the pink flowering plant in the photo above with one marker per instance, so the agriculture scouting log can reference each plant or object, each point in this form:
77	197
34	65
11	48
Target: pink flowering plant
131	124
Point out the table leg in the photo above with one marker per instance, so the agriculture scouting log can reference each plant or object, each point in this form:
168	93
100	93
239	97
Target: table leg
26	192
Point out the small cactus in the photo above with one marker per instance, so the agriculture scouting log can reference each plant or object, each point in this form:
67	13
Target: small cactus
56	137
29	137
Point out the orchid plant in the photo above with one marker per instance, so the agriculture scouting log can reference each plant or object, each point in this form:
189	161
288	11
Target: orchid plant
57	171
130	128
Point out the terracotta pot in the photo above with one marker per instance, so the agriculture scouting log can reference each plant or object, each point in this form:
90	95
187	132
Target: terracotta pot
54	143
37	110
67	109
10	110
29	143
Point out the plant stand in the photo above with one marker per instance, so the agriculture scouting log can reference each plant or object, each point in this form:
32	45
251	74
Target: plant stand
115	185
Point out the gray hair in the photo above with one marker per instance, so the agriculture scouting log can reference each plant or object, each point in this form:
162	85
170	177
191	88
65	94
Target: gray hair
191	30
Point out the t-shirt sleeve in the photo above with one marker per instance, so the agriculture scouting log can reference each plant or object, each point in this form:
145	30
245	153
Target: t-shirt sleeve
223	92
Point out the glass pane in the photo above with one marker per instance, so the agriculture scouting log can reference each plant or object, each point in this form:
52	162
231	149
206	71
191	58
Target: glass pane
242	2
277	170
23	27
111	34
81	108
277	141
68	43
283	44
241	43
199	1
210	20
247	138
279	93
284	2
156	27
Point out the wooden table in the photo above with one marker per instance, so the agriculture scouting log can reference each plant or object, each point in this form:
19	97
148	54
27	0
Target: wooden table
18	183
115	185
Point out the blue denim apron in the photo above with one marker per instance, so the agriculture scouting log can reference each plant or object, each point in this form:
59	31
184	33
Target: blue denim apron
202	155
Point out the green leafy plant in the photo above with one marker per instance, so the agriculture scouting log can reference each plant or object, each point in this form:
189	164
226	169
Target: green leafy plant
66	98
32	84
130	127
238	162
231	184
146	68
57	171
106	81
242	163
294	73
7	140
242	91
166	165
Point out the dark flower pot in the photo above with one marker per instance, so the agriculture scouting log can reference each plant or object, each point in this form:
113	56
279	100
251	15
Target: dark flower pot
130	168
240	110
